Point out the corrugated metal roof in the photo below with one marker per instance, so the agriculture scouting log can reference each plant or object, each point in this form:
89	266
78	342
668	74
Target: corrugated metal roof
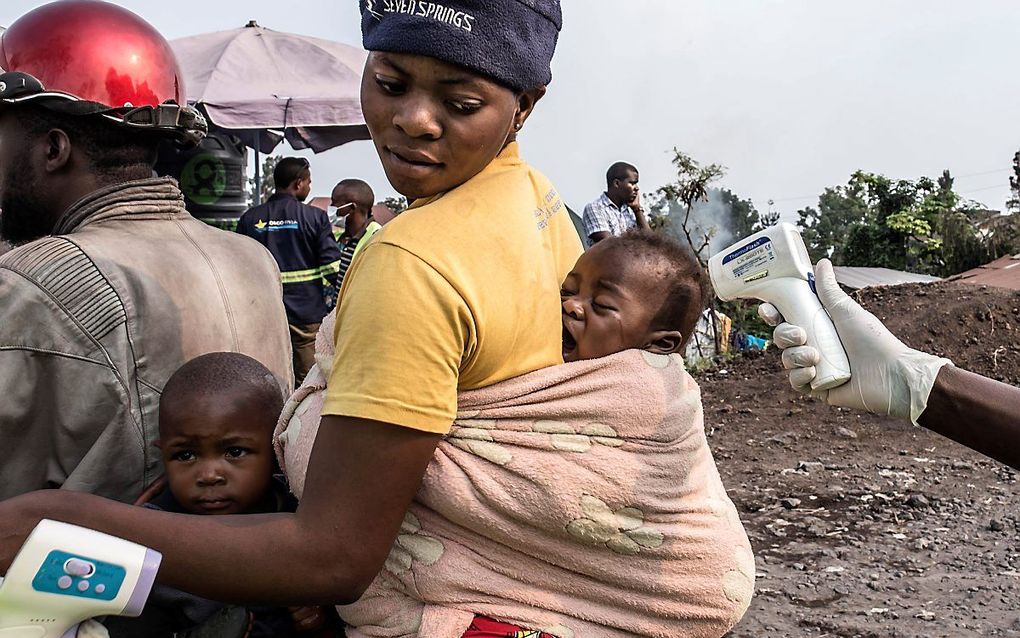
856	277
1003	273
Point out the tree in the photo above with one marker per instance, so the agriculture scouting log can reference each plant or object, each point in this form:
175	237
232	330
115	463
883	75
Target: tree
690	187
770	218
743	217
962	248
1013	205
921	225
269	163
396	204
825	229
677	200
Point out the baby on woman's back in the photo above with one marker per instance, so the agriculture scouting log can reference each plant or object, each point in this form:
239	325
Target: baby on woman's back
640	290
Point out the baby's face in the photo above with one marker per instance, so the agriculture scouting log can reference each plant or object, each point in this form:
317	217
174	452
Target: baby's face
217	454
608	305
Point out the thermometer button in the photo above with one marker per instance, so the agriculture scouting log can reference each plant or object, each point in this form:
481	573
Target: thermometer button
100	588
83	585
64	582
77	567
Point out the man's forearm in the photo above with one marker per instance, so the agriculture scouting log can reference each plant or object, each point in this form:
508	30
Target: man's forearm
286	564
975	411
642	219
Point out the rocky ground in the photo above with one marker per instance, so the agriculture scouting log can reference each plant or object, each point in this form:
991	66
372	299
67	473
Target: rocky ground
863	526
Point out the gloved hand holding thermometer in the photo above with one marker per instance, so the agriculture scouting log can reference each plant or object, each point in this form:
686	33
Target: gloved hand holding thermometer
888	377
773	266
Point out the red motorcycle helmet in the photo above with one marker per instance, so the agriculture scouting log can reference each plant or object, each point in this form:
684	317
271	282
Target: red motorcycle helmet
87	57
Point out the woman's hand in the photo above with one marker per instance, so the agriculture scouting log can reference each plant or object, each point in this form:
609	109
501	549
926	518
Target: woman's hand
361	478
19	516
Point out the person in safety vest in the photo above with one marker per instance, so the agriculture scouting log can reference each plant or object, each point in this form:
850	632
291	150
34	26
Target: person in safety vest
301	240
352	199
112	285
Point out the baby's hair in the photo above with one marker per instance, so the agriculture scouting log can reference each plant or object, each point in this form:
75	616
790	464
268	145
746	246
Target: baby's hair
687	288
226	375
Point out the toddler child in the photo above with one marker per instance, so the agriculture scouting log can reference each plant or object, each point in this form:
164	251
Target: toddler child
216	419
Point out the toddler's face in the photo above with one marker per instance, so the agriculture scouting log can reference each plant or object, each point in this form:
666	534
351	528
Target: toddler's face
608	305
217	454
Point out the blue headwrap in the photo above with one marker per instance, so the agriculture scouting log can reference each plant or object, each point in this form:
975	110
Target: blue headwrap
510	41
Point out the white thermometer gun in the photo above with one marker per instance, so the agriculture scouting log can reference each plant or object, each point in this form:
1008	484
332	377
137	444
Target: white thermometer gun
773	266
66	574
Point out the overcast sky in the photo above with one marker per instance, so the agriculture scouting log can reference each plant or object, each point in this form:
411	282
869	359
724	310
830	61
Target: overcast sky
790	96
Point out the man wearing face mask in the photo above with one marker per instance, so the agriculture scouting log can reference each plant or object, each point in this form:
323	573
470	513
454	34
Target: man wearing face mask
301	240
353	200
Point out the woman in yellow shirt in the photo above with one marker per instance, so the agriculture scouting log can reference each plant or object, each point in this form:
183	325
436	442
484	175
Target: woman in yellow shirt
457	293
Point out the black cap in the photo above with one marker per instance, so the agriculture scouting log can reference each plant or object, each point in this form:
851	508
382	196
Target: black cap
510	41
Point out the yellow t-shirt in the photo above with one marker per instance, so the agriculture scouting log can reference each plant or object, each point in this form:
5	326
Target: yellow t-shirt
459	292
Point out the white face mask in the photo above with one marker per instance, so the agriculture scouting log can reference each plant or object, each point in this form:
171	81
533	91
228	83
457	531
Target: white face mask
336	219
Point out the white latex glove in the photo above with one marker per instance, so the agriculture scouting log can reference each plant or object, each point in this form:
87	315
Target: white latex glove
886	377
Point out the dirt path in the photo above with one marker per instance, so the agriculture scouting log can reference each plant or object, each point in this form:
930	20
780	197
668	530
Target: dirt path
863	526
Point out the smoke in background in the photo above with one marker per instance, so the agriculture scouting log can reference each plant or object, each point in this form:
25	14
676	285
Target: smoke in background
713	217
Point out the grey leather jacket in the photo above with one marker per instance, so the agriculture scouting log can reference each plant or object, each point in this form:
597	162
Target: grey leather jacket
95	319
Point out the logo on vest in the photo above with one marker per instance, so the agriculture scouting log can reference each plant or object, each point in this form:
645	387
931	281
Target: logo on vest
276	224
422	9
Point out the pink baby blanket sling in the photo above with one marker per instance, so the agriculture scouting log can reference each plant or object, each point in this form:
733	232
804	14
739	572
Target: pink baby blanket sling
581	500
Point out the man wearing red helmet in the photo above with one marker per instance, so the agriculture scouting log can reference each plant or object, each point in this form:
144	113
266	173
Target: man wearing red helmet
112	285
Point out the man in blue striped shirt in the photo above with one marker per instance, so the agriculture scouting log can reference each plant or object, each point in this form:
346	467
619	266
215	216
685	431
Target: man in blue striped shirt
300	238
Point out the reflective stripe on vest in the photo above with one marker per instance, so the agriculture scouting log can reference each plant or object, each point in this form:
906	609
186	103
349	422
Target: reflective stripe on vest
311	274
369	231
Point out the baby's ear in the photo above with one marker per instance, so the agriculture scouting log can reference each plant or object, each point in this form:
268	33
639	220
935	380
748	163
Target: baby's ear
664	342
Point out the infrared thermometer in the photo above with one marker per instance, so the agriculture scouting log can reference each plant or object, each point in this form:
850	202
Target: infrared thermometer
66	574
773	265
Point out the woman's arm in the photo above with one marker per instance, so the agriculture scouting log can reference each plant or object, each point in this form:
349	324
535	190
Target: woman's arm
362	476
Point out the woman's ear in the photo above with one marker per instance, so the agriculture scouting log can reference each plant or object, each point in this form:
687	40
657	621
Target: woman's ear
664	342
526	102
